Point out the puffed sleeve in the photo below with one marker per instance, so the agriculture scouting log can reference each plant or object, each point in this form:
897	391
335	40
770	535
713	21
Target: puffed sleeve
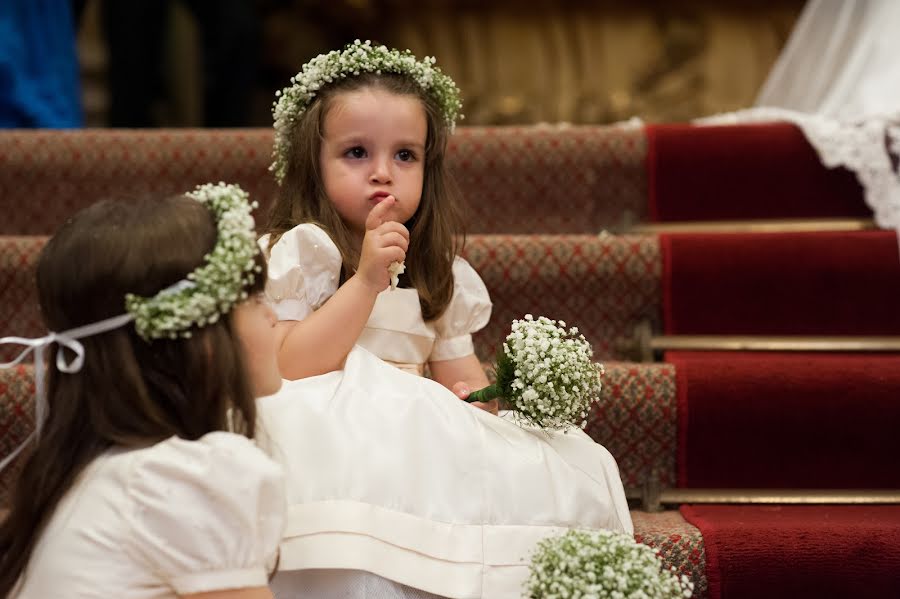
206	515
468	312
304	269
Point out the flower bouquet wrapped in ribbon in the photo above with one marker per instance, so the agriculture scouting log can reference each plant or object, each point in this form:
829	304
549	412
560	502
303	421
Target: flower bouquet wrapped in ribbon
601	563
545	373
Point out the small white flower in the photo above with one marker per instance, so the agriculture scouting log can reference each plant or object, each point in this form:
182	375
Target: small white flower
395	270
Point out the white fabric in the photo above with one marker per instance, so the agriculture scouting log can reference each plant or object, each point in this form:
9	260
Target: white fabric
341	584
304	271
389	473
840	61
869	147
178	517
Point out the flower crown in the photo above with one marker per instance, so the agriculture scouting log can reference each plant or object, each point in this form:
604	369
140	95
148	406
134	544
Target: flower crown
214	287
358	57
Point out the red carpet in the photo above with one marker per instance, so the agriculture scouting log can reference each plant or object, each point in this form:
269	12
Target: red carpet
782	283
743	172
793	551
787	420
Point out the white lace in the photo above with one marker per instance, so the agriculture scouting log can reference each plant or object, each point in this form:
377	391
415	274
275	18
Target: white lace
869	147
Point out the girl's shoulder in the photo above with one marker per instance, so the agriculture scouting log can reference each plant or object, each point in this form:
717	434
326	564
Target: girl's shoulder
465	276
193	460
213	506
192	516
470	306
305	236
304	269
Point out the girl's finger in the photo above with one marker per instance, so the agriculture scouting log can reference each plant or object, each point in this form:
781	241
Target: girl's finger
394	239
378	214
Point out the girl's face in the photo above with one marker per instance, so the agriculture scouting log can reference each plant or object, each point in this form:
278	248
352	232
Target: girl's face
373	146
254	323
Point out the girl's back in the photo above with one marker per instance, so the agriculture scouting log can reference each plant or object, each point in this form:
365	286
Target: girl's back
166	520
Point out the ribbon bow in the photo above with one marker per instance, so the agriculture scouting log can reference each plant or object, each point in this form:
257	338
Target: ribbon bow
66	339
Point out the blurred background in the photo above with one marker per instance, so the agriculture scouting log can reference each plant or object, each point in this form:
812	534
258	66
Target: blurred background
218	63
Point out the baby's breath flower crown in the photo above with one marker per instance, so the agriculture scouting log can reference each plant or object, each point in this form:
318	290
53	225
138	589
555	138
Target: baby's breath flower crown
358	57
601	563
214	287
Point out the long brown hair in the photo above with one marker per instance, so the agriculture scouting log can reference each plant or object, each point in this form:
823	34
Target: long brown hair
436	232
130	392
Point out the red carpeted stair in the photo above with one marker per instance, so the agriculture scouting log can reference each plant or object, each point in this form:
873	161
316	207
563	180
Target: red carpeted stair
778	420
765	171
826	283
789	552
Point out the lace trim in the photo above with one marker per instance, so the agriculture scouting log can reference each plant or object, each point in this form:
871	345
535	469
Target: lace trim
869	147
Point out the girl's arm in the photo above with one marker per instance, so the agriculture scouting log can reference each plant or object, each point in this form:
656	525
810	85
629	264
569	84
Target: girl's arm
462	376
320	342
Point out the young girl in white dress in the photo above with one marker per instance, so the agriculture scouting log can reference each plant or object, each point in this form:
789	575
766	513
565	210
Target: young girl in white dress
134	488
396	487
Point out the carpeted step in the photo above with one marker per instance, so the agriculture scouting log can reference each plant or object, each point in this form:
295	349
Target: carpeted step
20	314
739	172
827	283
564	179
604	285
679	543
840	552
770	420
16	421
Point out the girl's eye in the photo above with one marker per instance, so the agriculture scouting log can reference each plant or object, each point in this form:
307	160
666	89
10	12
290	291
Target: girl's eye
406	156
357	152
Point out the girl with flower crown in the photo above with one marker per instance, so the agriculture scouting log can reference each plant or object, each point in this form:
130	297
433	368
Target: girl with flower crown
134	489
395	487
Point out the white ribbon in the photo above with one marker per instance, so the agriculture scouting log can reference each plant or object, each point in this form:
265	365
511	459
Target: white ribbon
66	339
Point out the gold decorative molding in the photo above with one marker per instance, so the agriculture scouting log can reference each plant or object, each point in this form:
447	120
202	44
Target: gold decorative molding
594	62
576	61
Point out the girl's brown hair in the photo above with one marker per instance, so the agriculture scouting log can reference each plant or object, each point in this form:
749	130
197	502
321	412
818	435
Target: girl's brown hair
129	393
436	232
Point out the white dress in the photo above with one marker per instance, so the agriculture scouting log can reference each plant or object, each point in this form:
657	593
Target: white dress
175	518
389	473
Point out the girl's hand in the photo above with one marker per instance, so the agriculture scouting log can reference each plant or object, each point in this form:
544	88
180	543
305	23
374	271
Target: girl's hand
386	241
462	391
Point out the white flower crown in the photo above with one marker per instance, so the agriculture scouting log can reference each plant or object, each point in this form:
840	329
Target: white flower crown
358	57
214	287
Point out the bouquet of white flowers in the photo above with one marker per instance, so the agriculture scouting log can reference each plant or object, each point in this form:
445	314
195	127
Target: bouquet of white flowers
601	563
545	373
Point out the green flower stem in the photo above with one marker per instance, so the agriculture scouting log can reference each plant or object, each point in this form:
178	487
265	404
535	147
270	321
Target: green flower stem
485	395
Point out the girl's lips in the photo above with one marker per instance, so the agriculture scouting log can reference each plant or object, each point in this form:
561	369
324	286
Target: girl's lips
378	196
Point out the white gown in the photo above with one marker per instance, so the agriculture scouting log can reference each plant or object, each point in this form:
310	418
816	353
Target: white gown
389	473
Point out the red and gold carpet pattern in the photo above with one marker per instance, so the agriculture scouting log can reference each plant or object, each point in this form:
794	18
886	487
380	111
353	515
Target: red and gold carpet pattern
16	421
603	284
20	315
636	420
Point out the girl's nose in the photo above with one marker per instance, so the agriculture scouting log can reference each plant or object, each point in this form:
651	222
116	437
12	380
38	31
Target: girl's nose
381	172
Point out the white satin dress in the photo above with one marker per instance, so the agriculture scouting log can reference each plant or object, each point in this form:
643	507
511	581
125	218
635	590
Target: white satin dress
395	487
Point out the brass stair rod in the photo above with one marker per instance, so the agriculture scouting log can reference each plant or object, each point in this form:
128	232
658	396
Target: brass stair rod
772	343
644	344
753	226
653	499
